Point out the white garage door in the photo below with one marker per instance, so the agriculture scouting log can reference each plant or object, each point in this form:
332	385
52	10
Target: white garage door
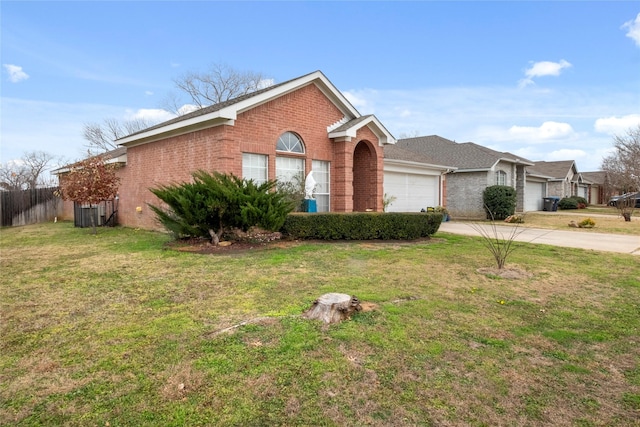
533	195
413	192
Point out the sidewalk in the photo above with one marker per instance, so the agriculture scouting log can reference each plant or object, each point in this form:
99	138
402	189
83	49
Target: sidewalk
570	239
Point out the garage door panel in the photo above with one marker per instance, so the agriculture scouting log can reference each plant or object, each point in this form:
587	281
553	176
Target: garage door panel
534	194
413	192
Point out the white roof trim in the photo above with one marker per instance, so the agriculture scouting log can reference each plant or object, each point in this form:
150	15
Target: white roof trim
442	168
510	160
229	114
384	136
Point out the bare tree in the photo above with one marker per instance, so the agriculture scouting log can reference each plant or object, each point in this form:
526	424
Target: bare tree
27	172
101	137
499	245
217	84
623	166
195	90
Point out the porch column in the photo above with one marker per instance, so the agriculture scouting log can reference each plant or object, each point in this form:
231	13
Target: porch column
520	188
342	176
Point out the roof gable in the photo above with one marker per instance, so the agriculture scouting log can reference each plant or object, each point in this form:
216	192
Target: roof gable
351	128
596	177
227	112
558	170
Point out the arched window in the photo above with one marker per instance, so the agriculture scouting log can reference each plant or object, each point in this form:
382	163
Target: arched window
289	142
501	178
290	169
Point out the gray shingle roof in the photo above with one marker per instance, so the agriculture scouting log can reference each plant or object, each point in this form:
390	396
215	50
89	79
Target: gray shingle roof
393	152
596	177
467	155
557	170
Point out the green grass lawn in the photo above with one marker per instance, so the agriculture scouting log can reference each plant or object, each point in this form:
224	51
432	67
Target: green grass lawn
118	330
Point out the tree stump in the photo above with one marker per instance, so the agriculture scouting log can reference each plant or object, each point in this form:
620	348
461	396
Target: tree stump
333	308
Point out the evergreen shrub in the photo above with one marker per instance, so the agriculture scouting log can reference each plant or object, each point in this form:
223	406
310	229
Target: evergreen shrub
361	225
499	201
573	202
220	202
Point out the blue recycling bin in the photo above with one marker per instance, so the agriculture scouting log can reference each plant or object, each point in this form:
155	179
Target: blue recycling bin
310	205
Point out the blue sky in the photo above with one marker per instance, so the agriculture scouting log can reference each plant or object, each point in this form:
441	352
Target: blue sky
543	80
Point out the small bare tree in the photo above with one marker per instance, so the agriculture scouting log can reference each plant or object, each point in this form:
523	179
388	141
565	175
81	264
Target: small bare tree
626	205
623	165
101	137
217	84
28	172
498	244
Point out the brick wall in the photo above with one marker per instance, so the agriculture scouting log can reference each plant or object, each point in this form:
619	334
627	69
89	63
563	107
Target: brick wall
464	194
305	111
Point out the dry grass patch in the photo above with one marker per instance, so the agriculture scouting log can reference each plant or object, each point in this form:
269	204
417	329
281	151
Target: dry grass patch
121	330
606	222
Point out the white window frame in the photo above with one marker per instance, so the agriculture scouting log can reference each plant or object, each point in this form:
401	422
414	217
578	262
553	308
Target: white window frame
501	177
290	142
322	192
255	167
290	170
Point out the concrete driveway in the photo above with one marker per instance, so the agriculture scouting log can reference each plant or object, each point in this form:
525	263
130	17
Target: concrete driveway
570	239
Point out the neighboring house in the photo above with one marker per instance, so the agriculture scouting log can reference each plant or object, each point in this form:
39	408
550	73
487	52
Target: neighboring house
473	168
599	187
280	132
563	180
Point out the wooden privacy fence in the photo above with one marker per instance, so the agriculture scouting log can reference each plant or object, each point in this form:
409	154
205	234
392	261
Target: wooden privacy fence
22	207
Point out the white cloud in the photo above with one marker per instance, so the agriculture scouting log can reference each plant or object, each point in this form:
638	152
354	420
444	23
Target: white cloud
15	73
548	131
633	29
187	108
542	69
355	100
614	125
152	115
265	83
148	93
566	154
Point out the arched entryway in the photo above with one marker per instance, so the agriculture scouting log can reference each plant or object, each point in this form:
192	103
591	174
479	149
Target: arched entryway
365	173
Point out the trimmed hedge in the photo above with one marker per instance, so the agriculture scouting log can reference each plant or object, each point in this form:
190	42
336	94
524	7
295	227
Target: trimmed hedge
361	225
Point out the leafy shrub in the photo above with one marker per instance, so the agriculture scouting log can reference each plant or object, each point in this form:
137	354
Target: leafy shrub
568	203
214	203
361	226
499	201
587	223
573	202
581	201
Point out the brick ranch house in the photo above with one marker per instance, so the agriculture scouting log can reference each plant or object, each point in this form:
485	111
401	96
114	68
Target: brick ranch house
288	129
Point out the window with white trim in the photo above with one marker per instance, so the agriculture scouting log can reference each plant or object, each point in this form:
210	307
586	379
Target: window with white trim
255	167
289	142
290	170
321	192
501	178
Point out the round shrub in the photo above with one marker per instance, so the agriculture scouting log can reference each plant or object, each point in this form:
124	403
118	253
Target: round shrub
568	203
499	201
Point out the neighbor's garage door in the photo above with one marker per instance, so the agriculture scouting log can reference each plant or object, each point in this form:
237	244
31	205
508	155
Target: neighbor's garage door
533	196
413	192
